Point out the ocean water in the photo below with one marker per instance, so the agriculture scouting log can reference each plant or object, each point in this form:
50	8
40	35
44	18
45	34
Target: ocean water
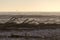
40	34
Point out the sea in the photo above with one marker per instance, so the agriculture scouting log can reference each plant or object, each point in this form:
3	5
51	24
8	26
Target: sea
36	34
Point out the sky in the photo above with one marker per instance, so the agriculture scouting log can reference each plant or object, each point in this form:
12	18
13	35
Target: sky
30	5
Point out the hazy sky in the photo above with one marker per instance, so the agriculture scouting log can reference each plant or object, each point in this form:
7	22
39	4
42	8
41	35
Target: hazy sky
30	5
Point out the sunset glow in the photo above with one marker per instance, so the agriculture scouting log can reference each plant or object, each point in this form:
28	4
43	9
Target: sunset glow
30	5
